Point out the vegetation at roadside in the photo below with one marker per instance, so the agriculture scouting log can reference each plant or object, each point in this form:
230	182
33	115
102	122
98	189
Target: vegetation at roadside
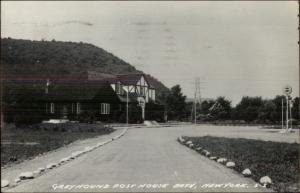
18	144
279	161
174	102
250	110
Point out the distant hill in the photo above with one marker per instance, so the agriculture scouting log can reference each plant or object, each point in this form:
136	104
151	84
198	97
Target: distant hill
56	58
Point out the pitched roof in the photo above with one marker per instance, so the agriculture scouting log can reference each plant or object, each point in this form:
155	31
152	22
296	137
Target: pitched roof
74	90
132	98
129	79
111	78
69	88
58	90
126	79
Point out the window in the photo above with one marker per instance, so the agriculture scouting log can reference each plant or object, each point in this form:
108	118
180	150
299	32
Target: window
151	93
78	109
105	108
52	108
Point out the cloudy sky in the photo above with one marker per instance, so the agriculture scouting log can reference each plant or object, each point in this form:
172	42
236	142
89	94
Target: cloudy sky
236	48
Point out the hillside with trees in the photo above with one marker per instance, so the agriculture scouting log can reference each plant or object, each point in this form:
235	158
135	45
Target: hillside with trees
56	58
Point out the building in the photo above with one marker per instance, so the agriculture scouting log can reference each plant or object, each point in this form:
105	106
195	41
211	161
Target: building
91	97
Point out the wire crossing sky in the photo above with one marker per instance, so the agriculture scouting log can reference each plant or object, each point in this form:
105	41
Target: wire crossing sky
237	48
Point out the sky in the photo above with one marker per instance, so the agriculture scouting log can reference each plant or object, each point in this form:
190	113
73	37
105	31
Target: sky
236	48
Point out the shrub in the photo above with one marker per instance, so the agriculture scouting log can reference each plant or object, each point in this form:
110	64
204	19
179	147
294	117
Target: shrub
87	117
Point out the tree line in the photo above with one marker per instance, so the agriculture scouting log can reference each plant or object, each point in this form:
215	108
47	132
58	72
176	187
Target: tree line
248	110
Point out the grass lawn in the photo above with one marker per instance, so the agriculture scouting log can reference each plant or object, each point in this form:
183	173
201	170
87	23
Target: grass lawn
279	161
18	144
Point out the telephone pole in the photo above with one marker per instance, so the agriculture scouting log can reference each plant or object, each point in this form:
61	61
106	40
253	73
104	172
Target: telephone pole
197	98
282	113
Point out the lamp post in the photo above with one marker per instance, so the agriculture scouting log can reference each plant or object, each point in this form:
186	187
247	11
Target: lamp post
127	108
127	99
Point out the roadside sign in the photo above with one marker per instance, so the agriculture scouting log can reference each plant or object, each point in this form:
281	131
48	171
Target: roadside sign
142	104
287	90
141	101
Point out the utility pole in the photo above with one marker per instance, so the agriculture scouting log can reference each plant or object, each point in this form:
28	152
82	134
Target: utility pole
282	113
195	103
291	118
197	98
287	112
127	108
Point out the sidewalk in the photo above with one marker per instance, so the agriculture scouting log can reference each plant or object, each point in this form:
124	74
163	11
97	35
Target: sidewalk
12	172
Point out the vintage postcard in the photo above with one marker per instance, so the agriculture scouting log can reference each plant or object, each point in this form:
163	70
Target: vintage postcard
150	96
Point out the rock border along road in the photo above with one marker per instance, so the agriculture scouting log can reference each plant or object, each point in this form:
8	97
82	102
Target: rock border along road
149	159
57	157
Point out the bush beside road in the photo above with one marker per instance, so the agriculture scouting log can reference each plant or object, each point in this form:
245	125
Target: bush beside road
280	161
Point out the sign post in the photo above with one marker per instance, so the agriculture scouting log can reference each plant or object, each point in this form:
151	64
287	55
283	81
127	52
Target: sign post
127	108
142	104
127	100
287	90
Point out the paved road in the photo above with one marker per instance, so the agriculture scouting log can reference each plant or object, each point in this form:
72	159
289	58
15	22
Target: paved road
147	159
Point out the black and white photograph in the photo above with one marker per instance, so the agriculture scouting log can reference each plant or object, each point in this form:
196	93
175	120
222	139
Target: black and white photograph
150	96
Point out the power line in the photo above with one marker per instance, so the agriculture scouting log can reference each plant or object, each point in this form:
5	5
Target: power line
197	98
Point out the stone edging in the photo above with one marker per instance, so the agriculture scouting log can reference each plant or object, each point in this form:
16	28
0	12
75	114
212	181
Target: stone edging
265	181
51	166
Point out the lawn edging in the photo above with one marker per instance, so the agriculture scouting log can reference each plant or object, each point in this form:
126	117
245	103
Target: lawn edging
50	166
214	147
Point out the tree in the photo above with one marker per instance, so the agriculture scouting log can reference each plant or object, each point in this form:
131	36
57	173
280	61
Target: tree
206	105
248	109
278	103
175	104
189	108
162	99
295	108
267	113
223	109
